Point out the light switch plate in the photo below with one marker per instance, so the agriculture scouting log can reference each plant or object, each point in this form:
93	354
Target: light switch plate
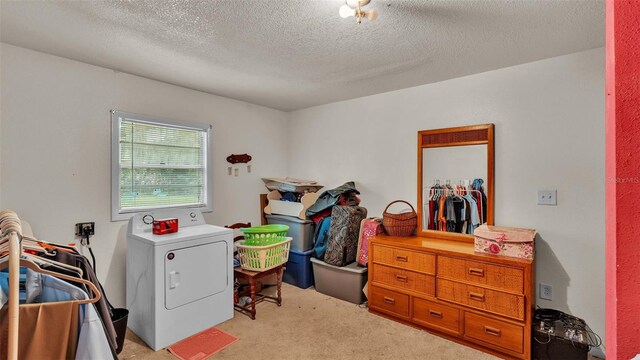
547	197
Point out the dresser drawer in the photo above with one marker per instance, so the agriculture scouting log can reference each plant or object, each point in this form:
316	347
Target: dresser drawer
441	317
480	298
390	301
406	259
422	283
496	332
484	274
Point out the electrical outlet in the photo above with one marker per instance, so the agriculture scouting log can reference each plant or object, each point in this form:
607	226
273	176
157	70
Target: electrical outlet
80	227
547	197
546	291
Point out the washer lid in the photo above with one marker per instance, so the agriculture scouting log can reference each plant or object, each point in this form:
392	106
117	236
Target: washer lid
184	234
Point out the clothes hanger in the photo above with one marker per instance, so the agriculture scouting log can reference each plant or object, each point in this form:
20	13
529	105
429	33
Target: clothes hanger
9	217
29	264
49	249
51	246
30	246
432	193
35	245
40	260
456	190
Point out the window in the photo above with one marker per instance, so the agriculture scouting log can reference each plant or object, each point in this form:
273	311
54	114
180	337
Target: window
158	164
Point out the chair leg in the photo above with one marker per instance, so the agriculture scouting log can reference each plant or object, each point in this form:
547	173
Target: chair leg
253	298
280	286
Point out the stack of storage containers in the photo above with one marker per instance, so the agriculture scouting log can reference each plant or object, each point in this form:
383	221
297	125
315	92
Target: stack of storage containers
342	282
298	270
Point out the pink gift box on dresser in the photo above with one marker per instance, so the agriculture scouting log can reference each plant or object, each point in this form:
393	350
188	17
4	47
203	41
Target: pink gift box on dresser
504	241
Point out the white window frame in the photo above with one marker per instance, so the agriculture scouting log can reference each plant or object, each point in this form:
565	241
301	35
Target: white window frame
117	213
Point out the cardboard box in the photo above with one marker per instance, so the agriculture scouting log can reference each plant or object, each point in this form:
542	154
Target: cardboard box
505	241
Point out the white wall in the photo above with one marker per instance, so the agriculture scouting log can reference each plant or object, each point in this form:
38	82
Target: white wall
549	121
549	116
56	148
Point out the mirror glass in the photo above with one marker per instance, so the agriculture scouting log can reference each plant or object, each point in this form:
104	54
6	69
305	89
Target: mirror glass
448	174
455	181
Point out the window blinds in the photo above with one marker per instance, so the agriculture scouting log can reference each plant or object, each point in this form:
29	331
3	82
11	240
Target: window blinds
161	165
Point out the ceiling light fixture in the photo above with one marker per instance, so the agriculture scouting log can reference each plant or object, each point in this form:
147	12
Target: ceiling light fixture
354	8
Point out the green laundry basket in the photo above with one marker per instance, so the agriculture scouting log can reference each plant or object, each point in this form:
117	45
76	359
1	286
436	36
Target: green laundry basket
265	234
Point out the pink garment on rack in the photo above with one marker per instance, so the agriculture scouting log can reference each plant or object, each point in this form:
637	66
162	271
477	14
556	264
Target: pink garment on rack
478	198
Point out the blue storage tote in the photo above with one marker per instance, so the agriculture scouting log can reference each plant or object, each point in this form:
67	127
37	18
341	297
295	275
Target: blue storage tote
298	270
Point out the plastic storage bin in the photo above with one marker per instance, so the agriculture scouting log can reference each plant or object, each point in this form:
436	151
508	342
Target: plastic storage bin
342	282
299	271
300	230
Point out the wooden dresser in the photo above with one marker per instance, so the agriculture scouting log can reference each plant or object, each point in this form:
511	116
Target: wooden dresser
480	300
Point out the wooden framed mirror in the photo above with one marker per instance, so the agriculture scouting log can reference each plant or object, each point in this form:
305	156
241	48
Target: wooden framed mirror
450	161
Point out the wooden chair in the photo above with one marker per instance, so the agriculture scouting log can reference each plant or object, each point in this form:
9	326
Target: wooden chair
238	226
252	279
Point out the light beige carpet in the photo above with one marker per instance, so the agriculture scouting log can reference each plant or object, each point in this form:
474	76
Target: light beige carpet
310	325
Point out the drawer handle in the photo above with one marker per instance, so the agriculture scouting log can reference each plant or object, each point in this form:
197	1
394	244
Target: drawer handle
401	278
402	258
492	331
476	296
389	300
436	314
476	272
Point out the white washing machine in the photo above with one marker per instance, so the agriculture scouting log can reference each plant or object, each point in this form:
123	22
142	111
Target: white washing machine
181	283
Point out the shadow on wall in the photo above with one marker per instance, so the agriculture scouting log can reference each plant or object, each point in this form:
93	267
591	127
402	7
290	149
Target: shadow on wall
550	271
116	278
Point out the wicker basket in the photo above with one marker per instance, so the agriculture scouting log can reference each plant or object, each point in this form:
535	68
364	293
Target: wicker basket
260	258
403	224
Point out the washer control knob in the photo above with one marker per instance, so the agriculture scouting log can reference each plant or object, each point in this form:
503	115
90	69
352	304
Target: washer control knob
148	219
193	215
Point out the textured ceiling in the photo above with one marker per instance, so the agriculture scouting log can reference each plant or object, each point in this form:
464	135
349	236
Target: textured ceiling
292	54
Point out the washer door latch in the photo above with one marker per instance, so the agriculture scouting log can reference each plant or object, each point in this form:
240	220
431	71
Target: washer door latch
174	279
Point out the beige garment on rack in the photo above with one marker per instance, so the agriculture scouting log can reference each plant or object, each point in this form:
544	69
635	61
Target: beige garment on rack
47	331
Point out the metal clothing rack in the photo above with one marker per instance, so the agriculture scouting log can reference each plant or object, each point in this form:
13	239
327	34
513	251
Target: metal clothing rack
14	298
11	229
10	226
427	189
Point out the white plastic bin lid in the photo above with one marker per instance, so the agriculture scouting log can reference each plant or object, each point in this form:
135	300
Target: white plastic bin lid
353	267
